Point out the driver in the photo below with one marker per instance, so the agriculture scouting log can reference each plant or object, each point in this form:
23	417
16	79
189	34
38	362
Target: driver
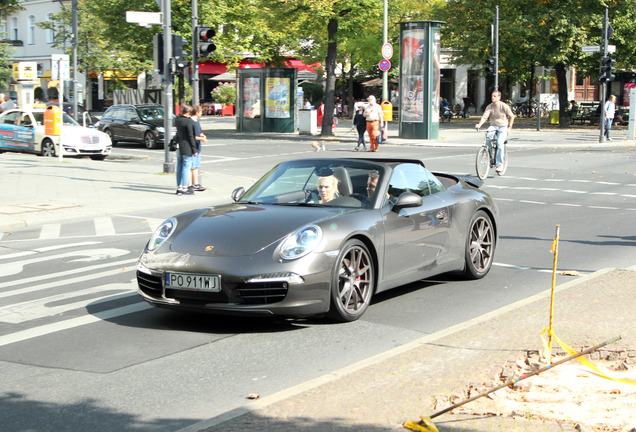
328	188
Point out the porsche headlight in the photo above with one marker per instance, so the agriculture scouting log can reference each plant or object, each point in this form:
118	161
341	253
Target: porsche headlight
301	242
162	233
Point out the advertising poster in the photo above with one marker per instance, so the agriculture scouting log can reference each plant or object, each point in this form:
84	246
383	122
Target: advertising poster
251	97
437	77
277	102
412	85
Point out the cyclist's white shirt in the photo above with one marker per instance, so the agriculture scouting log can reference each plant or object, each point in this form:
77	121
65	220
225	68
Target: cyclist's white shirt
498	115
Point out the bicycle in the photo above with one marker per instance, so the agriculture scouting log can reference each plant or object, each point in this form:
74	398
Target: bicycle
486	156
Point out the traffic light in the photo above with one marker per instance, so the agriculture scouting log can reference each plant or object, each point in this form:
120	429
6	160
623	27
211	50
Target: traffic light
490	66
204	41
177	52
607	67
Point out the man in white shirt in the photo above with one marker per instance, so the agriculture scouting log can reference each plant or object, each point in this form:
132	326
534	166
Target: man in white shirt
5	104
375	121
610	112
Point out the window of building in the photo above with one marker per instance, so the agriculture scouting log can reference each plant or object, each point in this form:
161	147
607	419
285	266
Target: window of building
14	29
50	33
31	30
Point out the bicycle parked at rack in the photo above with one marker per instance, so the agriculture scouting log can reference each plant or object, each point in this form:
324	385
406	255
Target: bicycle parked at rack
486	156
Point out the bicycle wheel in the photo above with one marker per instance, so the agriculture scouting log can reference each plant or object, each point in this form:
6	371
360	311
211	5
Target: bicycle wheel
505	161
482	163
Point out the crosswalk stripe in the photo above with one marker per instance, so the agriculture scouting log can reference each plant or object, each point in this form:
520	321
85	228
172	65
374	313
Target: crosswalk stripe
50	231
104	226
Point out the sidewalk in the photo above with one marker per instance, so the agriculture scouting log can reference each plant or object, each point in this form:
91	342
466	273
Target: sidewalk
381	393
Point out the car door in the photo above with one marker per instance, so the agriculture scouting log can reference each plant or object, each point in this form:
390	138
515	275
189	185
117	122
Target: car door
115	119
12	136
415	237
133	128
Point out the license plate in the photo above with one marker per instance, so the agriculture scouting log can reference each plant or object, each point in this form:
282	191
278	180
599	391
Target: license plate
193	282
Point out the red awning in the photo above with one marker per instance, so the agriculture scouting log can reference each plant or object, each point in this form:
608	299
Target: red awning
215	68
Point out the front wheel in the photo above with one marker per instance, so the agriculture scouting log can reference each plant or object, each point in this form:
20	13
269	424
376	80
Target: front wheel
482	163
48	148
111	136
149	140
505	161
98	157
352	282
480	246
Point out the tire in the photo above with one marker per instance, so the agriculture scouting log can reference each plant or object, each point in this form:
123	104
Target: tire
149	140
505	162
480	246
482	163
98	157
48	148
352	282
110	135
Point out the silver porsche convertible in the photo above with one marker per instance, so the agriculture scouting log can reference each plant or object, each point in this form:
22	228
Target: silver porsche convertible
320	237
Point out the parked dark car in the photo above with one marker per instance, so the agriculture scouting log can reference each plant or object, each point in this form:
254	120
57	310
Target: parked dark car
284	248
134	123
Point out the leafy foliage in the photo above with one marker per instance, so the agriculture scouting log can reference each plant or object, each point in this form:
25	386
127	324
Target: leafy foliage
225	93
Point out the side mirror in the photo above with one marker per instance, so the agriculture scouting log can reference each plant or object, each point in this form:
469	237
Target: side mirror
238	193
406	200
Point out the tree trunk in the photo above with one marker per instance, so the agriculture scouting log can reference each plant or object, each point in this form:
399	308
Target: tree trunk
564	118
330	67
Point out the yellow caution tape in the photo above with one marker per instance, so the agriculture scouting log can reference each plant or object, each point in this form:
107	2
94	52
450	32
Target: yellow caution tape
424	425
581	359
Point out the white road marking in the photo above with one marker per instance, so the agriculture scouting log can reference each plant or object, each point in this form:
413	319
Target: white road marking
72	323
104	226
83	256
50	231
69	281
17	313
532	202
604	208
574	191
603	193
46	249
568	204
74	272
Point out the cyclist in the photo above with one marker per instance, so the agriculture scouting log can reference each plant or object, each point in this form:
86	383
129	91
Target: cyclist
501	121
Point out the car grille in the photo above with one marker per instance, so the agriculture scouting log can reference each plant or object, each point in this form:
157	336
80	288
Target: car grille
150	285
262	293
90	139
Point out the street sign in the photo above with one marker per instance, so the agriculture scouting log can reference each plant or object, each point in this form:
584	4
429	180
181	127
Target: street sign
60	66
591	48
143	18
387	51
384	65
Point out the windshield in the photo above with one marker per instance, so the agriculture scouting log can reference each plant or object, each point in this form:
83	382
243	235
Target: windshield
66	119
334	183
153	113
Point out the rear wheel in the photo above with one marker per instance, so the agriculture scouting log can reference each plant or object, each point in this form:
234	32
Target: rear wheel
98	157
480	246
482	163
352	282
149	140
48	148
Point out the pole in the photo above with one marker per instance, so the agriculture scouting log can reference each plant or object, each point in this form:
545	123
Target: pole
601	138
555	251
60	101
168	165
75	111
195	53
497	49
385	39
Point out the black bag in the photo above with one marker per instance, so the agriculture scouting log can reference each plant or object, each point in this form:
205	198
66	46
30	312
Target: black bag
174	144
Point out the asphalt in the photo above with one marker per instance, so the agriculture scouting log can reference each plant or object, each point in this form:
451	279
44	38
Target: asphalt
382	392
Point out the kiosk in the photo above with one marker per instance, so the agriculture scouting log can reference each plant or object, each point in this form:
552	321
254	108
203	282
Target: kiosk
419	79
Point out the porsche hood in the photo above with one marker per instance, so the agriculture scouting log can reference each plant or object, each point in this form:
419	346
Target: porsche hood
242	229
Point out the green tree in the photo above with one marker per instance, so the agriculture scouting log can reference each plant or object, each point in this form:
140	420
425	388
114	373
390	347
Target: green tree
542	33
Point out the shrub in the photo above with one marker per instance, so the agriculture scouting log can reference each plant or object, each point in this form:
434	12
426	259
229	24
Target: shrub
225	93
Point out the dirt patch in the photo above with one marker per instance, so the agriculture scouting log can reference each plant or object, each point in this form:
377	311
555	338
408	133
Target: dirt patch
570	393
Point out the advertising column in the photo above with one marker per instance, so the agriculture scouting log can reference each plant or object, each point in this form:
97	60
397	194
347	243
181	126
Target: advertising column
419	79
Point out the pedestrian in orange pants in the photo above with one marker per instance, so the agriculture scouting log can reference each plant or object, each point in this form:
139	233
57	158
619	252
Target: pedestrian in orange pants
375	120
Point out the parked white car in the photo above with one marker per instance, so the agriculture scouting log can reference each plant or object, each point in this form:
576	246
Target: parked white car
22	130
